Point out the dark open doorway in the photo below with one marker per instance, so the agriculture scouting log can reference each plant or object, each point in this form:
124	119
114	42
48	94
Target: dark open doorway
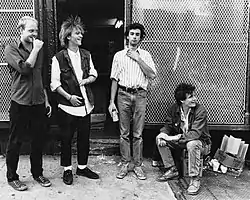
104	37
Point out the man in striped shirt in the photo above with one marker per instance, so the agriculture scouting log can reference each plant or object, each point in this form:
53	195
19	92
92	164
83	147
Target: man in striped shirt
132	68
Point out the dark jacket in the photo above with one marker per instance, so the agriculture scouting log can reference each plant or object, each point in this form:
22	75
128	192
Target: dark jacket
197	124
68	78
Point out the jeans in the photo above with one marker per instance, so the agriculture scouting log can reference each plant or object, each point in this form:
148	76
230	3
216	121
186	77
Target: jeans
23	120
70	124
171	154
132	107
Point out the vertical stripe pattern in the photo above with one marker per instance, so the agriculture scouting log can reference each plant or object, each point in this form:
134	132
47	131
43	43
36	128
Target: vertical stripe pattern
128	72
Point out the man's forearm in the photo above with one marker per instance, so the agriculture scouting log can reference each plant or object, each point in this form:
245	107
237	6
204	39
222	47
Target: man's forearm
46	95
62	92
32	57
90	79
146	69
114	87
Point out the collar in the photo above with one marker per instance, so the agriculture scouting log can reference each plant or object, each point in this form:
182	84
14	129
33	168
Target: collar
183	117
81	53
72	53
138	49
20	45
191	110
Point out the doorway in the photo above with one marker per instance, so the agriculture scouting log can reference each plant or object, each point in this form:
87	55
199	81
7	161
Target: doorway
103	38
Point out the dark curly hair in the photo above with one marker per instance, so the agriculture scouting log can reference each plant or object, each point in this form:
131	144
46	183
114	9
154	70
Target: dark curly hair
136	26
182	90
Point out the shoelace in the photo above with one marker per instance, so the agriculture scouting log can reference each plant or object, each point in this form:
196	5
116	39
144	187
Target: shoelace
67	173
42	179
194	183
87	170
139	170
18	183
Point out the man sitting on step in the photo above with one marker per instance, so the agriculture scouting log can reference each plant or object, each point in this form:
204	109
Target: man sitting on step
185	127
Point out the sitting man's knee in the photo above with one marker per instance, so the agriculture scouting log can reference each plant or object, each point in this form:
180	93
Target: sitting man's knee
194	144
160	142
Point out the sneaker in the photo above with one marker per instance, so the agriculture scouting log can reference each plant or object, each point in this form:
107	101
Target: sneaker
123	171
170	174
156	163
68	177
87	173
18	185
43	181
140	173
194	186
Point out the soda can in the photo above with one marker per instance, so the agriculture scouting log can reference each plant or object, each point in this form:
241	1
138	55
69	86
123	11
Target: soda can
115	116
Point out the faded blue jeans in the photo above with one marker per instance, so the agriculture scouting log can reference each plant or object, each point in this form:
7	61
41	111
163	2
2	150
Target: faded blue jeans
195	149
132	108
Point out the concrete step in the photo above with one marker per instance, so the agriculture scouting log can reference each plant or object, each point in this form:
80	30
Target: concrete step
104	146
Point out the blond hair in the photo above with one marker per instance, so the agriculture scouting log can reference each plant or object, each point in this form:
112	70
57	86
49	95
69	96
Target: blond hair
67	28
23	21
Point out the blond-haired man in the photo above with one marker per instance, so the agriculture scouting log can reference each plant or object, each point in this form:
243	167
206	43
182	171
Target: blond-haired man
28	102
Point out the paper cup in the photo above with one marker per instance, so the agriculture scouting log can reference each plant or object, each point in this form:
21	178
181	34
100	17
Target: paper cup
216	165
223	169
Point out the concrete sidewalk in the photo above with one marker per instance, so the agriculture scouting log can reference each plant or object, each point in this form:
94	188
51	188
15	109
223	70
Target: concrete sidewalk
215	186
108	187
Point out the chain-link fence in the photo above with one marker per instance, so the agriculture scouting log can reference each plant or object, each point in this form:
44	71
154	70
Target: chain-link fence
203	42
10	13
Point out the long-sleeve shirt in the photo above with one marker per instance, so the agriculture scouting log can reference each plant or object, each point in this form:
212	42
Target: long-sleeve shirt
127	72
55	83
27	85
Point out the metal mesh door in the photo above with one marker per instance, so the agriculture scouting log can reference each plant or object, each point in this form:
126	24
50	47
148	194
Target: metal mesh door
203	42
10	13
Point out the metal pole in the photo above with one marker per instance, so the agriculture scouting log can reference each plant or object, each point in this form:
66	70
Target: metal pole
247	99
128	12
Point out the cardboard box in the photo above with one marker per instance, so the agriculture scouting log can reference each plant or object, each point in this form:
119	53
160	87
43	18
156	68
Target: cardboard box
235	147
232	152
229	160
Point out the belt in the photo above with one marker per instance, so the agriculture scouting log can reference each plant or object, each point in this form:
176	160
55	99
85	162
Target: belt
131	90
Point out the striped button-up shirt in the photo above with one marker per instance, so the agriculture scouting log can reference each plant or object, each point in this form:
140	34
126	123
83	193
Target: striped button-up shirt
127	72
